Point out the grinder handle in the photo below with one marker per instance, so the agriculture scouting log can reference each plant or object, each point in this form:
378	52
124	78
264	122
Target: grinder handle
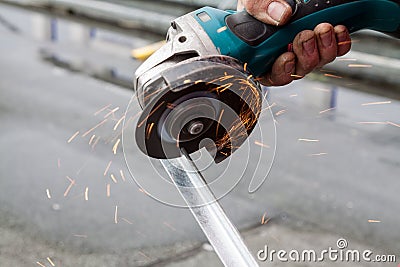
259	45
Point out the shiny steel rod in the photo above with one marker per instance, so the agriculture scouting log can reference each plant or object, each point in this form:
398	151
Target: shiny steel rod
221	233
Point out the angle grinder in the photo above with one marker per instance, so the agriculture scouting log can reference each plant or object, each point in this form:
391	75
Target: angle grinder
202	84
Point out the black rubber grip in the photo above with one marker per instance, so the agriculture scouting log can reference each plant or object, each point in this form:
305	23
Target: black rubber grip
254	32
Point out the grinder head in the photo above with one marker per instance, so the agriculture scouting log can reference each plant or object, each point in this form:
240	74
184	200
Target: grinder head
202	98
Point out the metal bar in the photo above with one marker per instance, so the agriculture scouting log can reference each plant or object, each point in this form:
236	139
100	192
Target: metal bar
221	233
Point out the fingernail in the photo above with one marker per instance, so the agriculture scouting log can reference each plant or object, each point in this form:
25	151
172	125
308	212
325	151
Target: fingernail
326	39
276	10
309	46
289	67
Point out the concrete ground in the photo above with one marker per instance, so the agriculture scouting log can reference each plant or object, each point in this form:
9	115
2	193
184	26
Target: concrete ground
335	174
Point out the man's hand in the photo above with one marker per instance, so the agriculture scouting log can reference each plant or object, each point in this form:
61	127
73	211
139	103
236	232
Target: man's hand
311	49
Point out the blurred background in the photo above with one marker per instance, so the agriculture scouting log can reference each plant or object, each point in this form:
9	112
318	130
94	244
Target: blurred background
67	198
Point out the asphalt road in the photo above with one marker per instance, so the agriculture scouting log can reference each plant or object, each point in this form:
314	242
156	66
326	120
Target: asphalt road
330	170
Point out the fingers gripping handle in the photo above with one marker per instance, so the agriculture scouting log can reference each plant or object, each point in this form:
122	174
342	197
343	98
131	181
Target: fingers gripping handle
261	44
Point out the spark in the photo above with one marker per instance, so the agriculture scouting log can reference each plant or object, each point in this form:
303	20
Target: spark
347	59
222	29
107	168
296	76
87	194
219	121
326	110
332	76
116	215
94	128
393	124
112	112
149	130
294	95
269	107
116	146
95	142
113	178
144	255
151	113
264	219
359	66
50	261
102	109
122	175
280	112
91	139
377	103
40	264
374	221
73	137
258	143
169	226
308	140
48	193
348	42
108	190
119	122
245	67
318	154
72	183
127	221
80	236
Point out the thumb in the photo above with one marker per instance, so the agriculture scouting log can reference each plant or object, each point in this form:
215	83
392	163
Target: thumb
274	12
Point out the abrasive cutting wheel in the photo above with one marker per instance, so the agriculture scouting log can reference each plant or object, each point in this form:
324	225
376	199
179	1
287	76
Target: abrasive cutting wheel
211	98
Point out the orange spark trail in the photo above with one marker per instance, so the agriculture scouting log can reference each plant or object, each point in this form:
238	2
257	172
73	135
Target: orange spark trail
127	221
87	193
95	142
264	219
107	168
94	128
113	178
151	113
108	190
280	112
169	226
373	221
122	175
48	193
326	110
101	110
40	264
296	76
222	29
50	261
332	76
149	130
294	95
91	139
118	123
377	103
261	144
359	66
73	137
116	146
318	154
219	121
112	112
116	215
307	140
72	183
